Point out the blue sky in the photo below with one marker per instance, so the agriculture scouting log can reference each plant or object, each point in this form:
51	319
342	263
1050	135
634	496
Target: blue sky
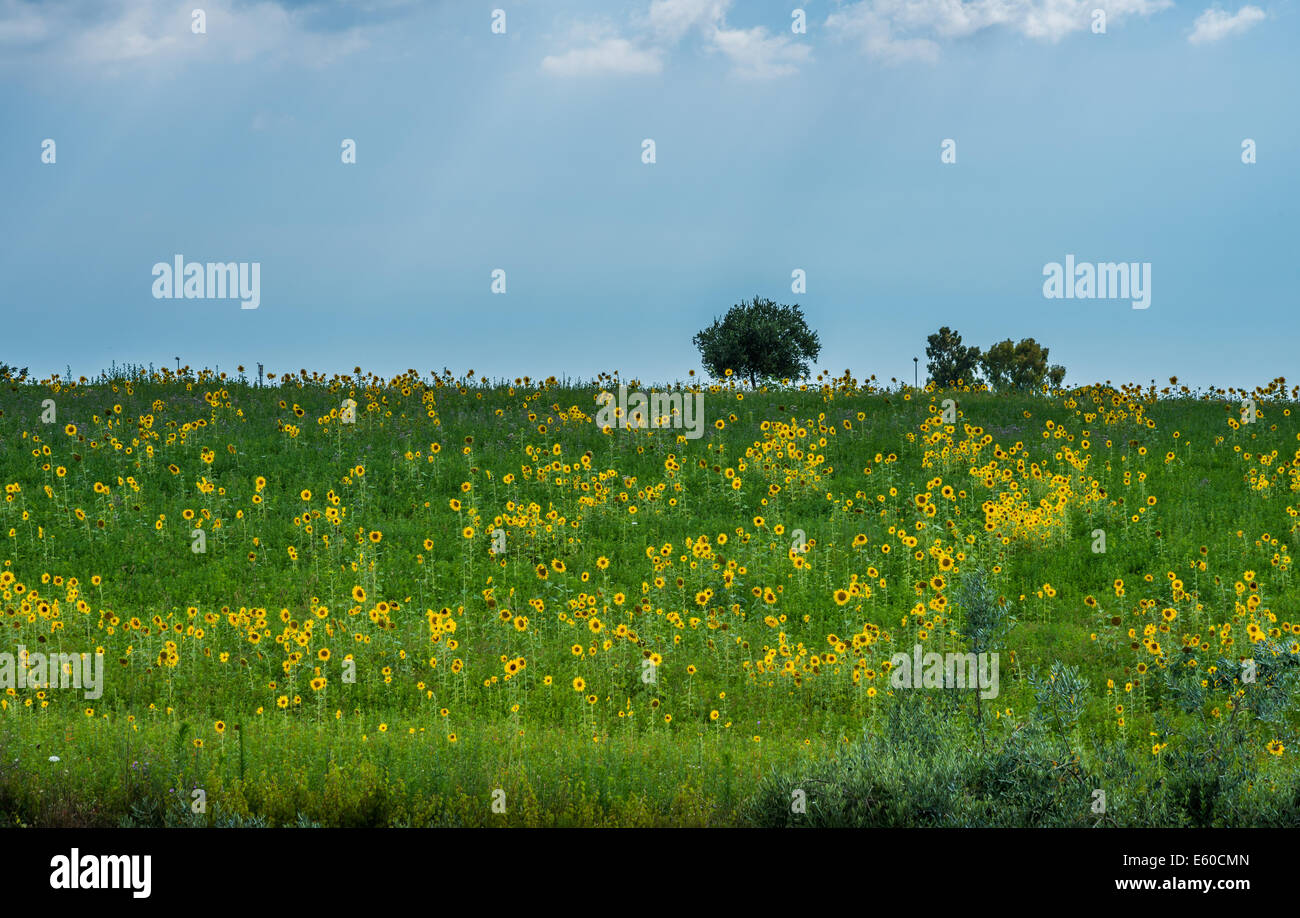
523	151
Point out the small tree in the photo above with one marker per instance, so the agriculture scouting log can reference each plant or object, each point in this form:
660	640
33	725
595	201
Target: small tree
948	361
1019	367
760	340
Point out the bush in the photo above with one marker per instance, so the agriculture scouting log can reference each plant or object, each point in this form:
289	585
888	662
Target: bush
923	772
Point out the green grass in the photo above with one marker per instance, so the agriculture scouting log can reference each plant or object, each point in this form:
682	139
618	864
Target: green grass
742	626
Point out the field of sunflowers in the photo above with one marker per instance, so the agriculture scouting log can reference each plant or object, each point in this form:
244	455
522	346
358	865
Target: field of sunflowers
440	600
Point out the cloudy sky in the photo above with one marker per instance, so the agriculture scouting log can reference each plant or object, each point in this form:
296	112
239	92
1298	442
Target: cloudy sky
520	148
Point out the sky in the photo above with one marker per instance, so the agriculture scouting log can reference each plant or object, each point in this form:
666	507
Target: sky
515	141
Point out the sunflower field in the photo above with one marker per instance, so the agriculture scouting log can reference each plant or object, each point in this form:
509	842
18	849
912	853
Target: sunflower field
440	600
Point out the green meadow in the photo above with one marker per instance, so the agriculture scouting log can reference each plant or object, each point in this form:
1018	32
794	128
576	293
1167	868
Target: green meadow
456	601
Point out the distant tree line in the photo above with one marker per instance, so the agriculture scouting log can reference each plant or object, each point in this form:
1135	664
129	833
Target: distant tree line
1007	366
760	341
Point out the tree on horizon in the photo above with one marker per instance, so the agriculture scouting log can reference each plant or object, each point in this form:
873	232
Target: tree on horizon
759	340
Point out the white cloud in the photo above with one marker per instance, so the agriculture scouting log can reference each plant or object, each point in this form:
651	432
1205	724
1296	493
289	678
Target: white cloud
1214	24
754	53
137	34
610	55
875	34
672	19
900	30
117	35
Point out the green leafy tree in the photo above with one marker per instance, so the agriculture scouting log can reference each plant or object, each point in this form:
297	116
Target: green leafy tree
760	340
948	361
1019	367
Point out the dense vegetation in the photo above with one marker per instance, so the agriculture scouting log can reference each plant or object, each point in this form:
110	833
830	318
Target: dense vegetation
627	626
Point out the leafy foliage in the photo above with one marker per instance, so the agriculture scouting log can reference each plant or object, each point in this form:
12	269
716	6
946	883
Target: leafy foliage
1019	367
948	361
759	340
922	771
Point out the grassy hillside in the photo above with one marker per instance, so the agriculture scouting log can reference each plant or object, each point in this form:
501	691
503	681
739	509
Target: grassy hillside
652	646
